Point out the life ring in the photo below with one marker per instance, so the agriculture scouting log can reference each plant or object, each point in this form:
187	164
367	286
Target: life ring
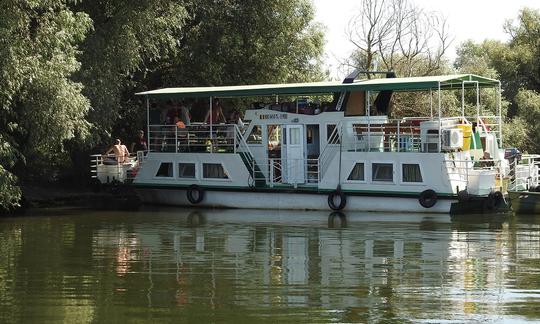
195	194
428	198
342	200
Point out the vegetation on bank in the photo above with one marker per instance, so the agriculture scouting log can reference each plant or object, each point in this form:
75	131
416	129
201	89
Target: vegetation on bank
70	68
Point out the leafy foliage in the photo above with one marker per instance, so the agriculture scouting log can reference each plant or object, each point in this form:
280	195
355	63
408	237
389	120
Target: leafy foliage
41	106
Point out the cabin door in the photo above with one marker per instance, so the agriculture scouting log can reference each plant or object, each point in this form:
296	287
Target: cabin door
293	154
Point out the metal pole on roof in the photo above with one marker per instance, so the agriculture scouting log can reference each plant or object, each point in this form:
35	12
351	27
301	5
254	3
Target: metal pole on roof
148	123
211	123
368	109
478	101
462	99
439	104
500	115
431	102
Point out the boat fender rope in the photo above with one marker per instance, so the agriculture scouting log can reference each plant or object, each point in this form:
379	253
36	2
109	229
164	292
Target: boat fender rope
195	194
332	200
427	198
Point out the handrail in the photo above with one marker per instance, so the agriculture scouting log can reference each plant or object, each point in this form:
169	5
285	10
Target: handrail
464	169
525	172
330	149
280	171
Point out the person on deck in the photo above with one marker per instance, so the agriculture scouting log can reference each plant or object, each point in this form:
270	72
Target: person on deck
120	151
139	144
217	113
184	114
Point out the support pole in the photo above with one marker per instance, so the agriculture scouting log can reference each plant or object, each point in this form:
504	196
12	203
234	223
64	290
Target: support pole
210	117
500	115
148	123
440	115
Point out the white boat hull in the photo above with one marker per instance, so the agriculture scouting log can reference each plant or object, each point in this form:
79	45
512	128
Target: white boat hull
287	200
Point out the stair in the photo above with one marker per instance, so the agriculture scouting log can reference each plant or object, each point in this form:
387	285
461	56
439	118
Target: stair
249	162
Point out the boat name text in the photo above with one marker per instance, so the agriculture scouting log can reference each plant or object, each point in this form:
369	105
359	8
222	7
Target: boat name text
273	116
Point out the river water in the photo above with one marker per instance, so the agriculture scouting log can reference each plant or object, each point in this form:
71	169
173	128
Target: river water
248	266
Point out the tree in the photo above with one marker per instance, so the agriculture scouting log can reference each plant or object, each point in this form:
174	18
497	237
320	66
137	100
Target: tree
517	64
399	36
245	42
129	39
41	107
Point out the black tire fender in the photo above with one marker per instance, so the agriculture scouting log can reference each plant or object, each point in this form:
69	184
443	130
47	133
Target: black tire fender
463	196
342	200
195	194
427	198
494	200
499	198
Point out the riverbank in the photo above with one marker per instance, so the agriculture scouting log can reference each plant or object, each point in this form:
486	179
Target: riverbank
56	195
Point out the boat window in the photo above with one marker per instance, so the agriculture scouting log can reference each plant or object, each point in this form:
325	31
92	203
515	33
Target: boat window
411	173
255	136
382	172
186	170
214	171
295	136
331	137
165	170
357	173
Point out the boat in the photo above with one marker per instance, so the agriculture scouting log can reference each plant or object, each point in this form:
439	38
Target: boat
326	146
524	191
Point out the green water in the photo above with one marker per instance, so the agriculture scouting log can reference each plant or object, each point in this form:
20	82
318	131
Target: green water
172	265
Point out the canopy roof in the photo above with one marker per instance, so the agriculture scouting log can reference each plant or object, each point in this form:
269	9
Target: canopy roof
396	84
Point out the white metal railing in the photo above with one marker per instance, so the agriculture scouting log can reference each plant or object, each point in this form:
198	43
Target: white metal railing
408	135
288	172
478	177
106	168
524	172
221	138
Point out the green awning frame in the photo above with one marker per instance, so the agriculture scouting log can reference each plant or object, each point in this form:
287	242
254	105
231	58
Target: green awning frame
445	82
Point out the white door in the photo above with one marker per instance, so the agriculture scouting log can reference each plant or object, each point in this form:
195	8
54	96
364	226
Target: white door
293	154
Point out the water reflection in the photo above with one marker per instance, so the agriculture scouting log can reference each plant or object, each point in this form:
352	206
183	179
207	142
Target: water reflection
227	265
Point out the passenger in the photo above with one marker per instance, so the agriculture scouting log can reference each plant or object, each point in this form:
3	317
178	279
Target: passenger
486	161
184	113
121	153
217	113
234	118
139	143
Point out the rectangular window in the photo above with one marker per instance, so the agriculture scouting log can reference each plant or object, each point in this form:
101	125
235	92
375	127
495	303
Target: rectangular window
331	137
382	172
165	170
357	173
214	171
411	173
295	136
186	170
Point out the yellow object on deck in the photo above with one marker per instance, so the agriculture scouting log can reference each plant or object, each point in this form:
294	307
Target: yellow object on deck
467	134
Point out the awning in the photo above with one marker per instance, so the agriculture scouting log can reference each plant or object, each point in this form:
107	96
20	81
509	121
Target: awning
394	84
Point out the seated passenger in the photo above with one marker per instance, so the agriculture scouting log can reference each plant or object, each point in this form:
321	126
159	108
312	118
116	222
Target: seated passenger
139	143
121	153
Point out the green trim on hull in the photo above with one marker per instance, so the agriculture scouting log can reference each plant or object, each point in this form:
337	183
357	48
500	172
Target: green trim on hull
300	190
